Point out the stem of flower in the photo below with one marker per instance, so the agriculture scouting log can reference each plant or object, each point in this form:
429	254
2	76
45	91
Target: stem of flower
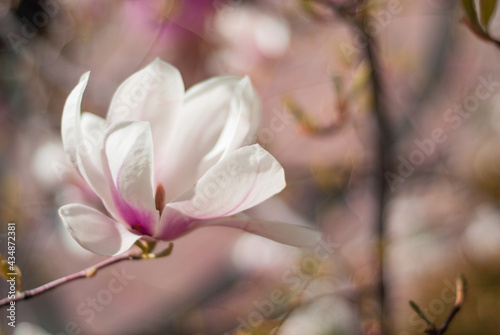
142	246
133	254
164	252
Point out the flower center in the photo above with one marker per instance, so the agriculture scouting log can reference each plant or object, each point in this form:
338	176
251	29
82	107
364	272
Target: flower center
160	198
140	229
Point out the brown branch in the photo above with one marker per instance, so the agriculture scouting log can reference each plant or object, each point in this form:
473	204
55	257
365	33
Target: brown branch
461	288
133	254
382	144
383	165
459	300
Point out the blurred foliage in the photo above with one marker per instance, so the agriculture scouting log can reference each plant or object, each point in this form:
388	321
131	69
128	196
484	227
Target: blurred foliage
6	271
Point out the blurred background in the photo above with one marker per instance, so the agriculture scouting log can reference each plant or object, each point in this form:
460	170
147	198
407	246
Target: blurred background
441	92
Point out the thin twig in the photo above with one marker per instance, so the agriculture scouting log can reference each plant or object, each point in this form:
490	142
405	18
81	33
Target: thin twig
87	273
450	317
133	254
459	300
382	144
461	288
383	165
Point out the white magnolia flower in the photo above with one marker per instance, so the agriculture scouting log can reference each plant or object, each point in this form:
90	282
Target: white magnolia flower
165	161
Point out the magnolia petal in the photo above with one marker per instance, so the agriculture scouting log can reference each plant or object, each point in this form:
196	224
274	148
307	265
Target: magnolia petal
241	126
245	178
153	94
70	122
82	139
294	235
128	154
148	95
203	117
95	231
92	129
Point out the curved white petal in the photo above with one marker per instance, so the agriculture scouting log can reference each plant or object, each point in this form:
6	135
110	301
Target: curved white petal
242	180
241	126
70	122
82	139
204	115
93	128
128	155
95	231
294	235
153	94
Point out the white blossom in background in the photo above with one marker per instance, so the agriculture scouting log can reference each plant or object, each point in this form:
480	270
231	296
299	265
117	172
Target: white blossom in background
166	161
481	239
43	167
249	38
316	318
26	328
